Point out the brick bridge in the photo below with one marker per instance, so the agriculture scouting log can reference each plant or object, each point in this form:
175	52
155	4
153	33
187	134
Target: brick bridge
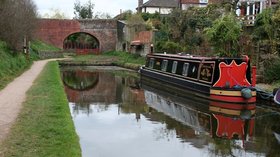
55	31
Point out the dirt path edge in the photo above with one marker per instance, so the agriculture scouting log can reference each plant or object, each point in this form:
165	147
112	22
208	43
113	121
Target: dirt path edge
14	94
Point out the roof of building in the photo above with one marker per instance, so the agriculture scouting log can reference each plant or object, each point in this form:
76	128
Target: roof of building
161	3
190	2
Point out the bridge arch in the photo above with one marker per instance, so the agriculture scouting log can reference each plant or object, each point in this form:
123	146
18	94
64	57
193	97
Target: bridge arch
55	31
82	43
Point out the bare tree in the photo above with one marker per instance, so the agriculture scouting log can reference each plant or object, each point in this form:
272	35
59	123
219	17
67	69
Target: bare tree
100	15
17	21
84	11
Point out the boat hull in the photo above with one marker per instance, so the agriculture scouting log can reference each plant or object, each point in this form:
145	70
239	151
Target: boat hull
277	97
199	89
179	82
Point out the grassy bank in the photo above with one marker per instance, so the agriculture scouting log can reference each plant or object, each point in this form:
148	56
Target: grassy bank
11	64
93	58
44	126
41	46
122	59
269	87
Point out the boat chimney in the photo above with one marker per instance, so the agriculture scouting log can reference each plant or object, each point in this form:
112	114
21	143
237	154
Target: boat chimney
140	4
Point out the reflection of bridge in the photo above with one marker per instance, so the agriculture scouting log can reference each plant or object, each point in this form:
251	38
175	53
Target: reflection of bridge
104	90
55	31
80	80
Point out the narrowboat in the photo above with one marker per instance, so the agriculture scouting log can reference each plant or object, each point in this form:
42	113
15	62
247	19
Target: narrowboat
215	78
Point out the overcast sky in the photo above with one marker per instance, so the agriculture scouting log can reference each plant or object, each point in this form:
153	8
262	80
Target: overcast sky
112	7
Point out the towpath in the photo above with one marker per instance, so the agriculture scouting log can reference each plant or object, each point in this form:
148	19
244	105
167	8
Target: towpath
14	94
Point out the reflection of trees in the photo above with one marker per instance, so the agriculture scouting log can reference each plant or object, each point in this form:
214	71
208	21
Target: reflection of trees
267	122
164	133
221	147
131	96
84	108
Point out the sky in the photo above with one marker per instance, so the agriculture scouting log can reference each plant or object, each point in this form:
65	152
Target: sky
112	7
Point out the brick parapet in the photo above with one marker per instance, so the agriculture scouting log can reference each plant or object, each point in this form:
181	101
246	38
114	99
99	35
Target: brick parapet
55	31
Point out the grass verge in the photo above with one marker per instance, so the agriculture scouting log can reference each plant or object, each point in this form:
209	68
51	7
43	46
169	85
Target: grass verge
93	58
122	59
44	126
11	64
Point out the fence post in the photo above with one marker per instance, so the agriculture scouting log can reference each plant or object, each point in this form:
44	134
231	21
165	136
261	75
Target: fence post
254	76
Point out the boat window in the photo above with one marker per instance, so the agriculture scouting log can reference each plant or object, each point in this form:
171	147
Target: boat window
151	63
206	72
193	70
174	67
164	65
185	69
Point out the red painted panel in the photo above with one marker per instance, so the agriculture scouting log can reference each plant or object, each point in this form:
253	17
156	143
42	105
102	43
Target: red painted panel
228	126
232	75
233	106
251	126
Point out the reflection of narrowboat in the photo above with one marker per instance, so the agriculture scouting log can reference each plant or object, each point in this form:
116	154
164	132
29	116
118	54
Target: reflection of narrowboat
214	78
233	121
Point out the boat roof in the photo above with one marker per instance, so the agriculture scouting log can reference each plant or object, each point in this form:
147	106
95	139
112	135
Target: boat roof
192	57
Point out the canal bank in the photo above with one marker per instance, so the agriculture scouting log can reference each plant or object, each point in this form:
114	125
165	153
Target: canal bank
113	58
44	126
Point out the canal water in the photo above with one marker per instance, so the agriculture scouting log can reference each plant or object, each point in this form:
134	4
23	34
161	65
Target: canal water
116	114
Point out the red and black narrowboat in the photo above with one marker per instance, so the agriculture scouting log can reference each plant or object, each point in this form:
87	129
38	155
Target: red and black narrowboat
215	78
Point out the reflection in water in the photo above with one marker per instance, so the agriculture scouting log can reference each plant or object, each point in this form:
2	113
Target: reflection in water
114	117
204	122
80	80
185	114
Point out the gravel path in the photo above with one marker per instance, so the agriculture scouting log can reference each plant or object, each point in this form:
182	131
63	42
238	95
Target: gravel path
13	95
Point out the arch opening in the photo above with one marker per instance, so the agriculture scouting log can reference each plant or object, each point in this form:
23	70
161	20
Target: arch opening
82	43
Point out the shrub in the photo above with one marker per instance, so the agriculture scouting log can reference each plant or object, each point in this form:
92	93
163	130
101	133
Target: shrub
272	70
224	35
172	47
11	64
